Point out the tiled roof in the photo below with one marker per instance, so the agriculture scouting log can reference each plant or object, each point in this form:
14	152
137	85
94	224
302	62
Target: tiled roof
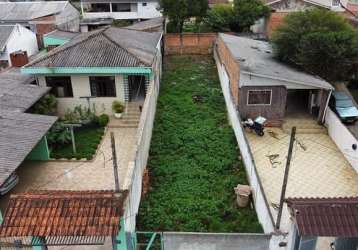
19	134
63	213
62	34
149	24
5	32
353	7
108	47
336	217
25	11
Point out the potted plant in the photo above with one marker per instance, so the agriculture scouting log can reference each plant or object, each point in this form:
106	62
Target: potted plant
118	109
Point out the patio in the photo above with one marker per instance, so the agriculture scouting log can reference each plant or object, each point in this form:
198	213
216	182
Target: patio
318	168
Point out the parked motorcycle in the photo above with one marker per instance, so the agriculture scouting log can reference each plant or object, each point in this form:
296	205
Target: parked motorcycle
257	125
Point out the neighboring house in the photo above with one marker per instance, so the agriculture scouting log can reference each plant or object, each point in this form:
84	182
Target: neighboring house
262	86
41	17
57	38
131	10
99	67
151	25
281	8
22	134
15	38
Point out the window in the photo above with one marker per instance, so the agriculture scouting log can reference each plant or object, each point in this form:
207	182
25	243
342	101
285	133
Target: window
121	7
61	86
102	86
259	97
144	4
100	7
336	3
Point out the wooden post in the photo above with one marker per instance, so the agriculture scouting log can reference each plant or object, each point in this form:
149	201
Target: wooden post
73	140
285	178
115	166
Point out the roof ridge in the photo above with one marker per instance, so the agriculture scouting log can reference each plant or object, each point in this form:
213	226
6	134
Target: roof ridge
64	48
132	54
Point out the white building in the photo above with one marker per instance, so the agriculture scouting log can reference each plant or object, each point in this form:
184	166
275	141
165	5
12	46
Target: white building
14	38
131	10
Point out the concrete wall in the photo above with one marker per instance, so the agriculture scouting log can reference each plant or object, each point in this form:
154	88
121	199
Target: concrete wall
214	241
189	43
137	12
81	88
342	137
20	39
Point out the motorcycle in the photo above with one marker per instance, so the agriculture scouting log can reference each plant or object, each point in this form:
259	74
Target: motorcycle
257	125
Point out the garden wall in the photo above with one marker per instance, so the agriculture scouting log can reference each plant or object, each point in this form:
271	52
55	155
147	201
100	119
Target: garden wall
189	43
222	241
261	205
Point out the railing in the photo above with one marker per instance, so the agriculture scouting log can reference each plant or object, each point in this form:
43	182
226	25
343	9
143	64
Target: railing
149	241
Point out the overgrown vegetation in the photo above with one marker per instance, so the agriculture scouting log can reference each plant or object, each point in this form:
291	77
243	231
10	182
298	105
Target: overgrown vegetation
320	42
193	163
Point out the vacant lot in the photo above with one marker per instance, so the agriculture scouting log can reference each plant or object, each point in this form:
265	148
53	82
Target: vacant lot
193	162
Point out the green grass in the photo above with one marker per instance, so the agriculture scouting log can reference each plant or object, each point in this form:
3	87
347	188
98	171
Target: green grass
87	140
193	163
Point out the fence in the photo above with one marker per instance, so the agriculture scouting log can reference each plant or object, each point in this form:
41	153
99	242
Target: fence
189	43
261	205
343	138
211	241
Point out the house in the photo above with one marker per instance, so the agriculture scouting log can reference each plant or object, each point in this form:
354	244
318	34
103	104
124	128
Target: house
262	86
15	38
41	17
57	37
96	68
130	10
281	8
151	25
23	135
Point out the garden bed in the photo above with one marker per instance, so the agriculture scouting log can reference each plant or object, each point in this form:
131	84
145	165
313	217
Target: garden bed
87	140
193	162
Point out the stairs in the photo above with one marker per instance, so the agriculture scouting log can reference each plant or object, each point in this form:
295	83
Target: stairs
130	118
303	126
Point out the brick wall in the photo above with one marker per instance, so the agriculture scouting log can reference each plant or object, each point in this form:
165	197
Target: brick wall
43	25
274	21
232	68
189	43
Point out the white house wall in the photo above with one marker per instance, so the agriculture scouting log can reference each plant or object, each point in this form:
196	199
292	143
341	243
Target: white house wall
81	88
20	39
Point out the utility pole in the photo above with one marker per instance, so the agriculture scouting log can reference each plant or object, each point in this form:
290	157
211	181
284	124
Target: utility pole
285	178
115	165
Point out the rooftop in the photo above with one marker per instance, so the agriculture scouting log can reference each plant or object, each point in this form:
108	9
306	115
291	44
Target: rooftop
256	58
107	47
5	32
63	213
62	34
25	11
318	168
326	217
146	25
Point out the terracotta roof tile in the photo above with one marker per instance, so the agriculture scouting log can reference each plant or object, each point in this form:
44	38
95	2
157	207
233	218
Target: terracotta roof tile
63	213
325	216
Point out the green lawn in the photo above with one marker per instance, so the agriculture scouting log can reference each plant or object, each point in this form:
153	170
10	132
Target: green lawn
193	163
87	140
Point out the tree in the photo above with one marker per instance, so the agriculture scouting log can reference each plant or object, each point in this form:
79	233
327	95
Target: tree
319	42
220	16
247	12
179	11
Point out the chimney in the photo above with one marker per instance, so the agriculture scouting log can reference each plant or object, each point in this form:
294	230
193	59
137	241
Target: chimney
19	58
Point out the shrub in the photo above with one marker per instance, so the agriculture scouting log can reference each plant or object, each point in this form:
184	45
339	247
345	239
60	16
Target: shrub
318	41
103	120
58	135
47	105
80	115
117	107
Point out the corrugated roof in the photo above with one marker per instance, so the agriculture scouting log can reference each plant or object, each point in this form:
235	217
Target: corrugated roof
25	11
62	34
108	47
149	24
19	134
63	213
5	32
333	217
17	94
257	57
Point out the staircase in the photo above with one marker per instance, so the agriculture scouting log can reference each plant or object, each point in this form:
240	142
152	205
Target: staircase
303	126
130	118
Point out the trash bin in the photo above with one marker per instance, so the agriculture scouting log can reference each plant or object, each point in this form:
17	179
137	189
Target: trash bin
242	195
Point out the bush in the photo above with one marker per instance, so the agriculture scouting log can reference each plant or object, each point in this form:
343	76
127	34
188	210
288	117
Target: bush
80	115
47	105
117	107
103	120
58	135
318	41
220	17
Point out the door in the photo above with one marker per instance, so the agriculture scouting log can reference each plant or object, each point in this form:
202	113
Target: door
136	85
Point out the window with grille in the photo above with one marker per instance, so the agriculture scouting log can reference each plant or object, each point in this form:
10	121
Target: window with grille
61	86
335	3
121	7
102	86
259	97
